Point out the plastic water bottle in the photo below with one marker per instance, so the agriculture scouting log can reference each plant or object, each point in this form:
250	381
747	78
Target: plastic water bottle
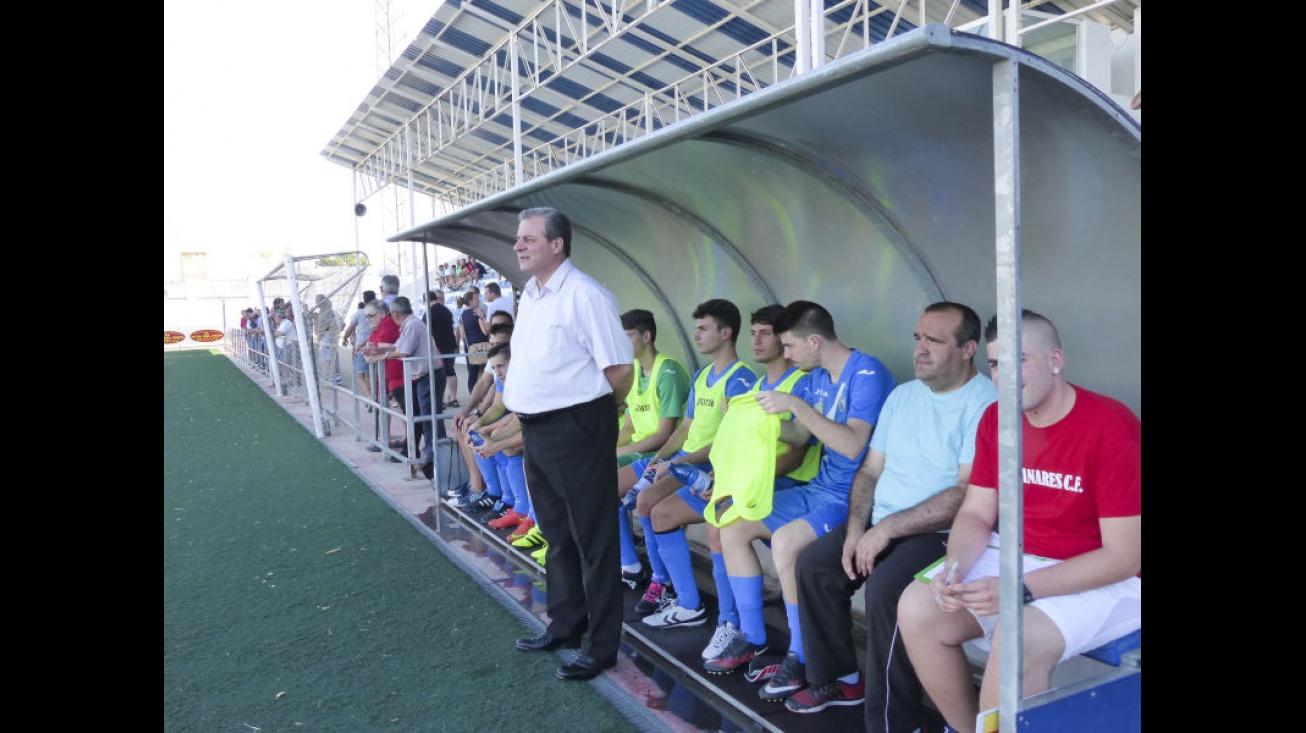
644	482
697	481
475	438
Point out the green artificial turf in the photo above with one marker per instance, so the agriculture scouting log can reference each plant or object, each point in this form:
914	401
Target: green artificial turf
295	599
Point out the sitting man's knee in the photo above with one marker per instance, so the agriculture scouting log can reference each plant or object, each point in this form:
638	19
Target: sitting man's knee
914	602
737	534
713	538
662	515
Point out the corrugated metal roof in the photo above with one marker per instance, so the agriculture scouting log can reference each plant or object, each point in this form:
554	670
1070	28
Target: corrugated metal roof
445	105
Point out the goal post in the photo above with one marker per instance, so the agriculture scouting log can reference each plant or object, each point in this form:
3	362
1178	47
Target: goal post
317	293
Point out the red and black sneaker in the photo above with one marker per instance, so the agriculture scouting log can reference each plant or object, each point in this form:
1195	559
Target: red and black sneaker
790	678
741	651
763	668
816	699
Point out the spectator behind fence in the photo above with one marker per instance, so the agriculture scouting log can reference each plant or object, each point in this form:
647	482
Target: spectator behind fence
1082	486
475	330
287	349
494	300
440	320
283	305
567	384
385	331
355	335
415	341
326	327
253	327
902	501
389	289
846	389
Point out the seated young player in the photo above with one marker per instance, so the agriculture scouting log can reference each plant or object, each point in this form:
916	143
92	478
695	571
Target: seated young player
654	408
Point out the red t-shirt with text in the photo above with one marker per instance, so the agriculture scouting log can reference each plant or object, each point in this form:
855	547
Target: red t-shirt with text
1086	466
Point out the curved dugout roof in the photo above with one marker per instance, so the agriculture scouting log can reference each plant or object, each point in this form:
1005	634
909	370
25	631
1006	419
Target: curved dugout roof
868	186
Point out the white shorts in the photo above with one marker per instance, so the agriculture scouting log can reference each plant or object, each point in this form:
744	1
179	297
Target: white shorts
1086	620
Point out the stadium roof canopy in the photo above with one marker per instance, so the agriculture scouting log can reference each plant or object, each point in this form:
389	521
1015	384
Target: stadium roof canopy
588	71
901	171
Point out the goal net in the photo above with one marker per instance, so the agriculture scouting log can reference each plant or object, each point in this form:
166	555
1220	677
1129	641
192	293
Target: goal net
316	294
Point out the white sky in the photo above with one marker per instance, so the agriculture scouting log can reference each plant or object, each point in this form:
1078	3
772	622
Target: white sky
253	91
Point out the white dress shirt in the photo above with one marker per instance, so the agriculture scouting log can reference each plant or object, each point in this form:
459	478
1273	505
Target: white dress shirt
566	334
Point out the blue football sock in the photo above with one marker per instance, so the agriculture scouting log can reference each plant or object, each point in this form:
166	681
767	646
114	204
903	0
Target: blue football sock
660	573
514	472
674	549
726	609
748	599
629	556
490	474
795	630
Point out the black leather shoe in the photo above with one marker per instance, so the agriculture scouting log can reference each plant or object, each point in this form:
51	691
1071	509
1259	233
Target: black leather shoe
546	642
583	668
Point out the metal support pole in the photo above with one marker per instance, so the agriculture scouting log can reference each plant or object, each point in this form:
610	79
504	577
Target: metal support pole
513	50
1006	187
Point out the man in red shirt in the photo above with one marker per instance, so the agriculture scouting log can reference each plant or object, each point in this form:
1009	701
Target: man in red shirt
385	332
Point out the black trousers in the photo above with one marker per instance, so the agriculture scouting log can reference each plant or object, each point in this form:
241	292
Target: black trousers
572	477
437	403
894	696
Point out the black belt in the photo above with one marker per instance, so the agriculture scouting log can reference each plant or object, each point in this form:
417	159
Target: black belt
536	418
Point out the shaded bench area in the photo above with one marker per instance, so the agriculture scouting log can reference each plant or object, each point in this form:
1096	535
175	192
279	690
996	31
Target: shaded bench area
665	663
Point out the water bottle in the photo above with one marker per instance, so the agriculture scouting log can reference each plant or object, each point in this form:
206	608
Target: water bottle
643	483
475	438
697	481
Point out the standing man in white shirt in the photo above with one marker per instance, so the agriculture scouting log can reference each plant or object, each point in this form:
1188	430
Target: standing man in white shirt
573	369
